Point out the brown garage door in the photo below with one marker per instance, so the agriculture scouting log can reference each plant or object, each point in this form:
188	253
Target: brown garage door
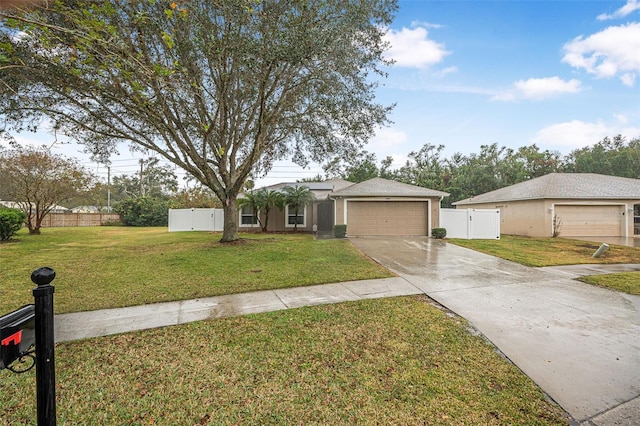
590	221
387	218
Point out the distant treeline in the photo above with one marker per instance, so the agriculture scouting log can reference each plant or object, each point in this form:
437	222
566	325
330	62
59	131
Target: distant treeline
493	167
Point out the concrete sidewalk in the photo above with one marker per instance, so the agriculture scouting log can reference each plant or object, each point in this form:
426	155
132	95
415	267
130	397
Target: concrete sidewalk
82	325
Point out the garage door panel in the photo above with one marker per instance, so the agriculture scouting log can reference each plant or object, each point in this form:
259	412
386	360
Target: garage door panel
590	221
387	218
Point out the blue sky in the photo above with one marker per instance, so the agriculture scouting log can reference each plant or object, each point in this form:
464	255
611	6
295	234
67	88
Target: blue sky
560	74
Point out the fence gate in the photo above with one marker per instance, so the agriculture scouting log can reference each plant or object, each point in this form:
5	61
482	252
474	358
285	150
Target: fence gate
471	224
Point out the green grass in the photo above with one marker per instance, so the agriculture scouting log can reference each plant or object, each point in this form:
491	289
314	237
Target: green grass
559	251
628	282
549	251
107	267
387	361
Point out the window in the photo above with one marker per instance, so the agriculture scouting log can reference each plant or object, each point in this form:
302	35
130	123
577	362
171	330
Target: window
292	219
247	218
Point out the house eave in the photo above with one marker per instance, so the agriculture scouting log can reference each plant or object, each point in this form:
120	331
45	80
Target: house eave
567	197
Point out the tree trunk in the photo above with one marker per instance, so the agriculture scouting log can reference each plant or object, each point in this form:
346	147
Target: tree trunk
266	219
34	229
230	231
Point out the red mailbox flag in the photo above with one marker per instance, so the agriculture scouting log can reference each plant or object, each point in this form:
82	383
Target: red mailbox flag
15	338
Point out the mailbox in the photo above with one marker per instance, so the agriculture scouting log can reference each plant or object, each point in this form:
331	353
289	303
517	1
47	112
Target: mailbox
17	335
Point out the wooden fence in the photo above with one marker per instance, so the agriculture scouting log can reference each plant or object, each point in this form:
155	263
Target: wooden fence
53	220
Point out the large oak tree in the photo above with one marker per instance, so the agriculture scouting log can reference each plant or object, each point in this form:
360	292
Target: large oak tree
221	88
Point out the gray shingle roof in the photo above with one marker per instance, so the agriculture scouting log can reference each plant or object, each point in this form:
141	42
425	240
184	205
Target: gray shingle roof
563	185
379	187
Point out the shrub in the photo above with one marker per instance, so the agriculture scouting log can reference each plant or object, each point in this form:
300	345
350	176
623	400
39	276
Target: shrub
143	211
340	231
439	233
11	221
112	222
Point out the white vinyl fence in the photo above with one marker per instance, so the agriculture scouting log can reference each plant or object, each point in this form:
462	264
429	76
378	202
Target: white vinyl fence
471	224
196	220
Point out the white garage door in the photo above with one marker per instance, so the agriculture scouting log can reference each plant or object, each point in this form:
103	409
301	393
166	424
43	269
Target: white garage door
387	218
590	221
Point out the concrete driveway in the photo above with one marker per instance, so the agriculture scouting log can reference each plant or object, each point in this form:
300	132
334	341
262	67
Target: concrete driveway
579	343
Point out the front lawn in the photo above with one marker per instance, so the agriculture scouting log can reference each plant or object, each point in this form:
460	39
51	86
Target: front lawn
628	282
560	251
108	267
549	251
387	361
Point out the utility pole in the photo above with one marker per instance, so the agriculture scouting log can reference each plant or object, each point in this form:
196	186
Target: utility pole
141	169
109	189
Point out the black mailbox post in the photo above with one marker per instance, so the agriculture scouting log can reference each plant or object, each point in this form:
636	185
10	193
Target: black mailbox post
29	330
45	362
17	335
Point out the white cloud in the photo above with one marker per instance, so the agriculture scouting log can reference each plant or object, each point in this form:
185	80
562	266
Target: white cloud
445	71
399	160
387	139
621	118
539	88
412	48
427	25
628	79
609	53
571	134
631	6
577	134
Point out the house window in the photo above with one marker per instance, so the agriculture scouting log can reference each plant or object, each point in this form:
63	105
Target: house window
636	219
292	219
247	218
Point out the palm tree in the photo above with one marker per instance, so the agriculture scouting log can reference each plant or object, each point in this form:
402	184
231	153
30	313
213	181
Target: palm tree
269	199
261	202
297	198
253	201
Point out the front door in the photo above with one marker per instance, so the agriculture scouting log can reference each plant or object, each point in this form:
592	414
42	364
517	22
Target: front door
325	216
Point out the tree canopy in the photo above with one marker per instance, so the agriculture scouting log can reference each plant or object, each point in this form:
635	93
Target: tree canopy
154	180
221	89
493	167
610	156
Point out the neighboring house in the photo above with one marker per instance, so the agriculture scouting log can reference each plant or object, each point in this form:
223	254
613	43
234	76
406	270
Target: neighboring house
85	209
374	207
14	205
566	204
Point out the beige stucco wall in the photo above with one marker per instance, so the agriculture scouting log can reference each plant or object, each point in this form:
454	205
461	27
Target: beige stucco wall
520	217
339	211
434	214
535	217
